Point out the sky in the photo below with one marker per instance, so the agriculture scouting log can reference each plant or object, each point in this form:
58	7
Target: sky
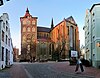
45	10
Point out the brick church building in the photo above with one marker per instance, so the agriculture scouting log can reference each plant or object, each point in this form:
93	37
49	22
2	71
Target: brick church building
48	43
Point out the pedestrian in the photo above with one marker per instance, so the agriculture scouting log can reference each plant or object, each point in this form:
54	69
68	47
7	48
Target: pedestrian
79	64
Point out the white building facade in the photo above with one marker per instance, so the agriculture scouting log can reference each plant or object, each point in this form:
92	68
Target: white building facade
92	35
6	47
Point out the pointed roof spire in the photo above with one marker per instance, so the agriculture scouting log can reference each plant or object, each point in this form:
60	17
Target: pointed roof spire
52	25
27	13
27	10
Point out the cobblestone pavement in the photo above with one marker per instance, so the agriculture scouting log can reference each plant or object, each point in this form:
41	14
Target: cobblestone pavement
17	71
47	70
65	67
52	70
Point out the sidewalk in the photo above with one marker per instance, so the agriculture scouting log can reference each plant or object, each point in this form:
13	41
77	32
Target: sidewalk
15	71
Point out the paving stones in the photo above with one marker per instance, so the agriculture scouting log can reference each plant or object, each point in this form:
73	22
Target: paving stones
46	70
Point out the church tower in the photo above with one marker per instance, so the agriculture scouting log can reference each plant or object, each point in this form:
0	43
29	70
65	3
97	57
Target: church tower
28	36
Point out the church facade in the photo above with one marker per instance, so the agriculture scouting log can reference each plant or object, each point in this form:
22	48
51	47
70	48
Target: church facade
44	43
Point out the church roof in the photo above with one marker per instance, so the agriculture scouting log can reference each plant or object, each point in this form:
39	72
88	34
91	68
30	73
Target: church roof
71	20
43	29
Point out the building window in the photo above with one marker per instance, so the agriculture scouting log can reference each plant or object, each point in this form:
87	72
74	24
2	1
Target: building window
93	42
3	36
6	39
93	14
40	35
6	55
3	25
28	29
24	29
33	29
93	20
47	35
7	23
2	54
88	33
50	49
8	42
44	35
24	39
6	28
68	30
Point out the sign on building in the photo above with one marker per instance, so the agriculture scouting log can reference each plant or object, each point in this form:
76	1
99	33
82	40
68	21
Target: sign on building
74	54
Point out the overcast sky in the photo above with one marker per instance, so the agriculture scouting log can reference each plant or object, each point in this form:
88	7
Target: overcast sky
45	10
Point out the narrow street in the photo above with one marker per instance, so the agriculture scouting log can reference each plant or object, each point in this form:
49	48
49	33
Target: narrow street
47	70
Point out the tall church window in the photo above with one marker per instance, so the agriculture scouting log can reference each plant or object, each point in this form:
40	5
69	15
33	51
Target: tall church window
71	36
68	30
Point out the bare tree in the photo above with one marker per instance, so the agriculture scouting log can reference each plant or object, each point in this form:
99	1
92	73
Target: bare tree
29	49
